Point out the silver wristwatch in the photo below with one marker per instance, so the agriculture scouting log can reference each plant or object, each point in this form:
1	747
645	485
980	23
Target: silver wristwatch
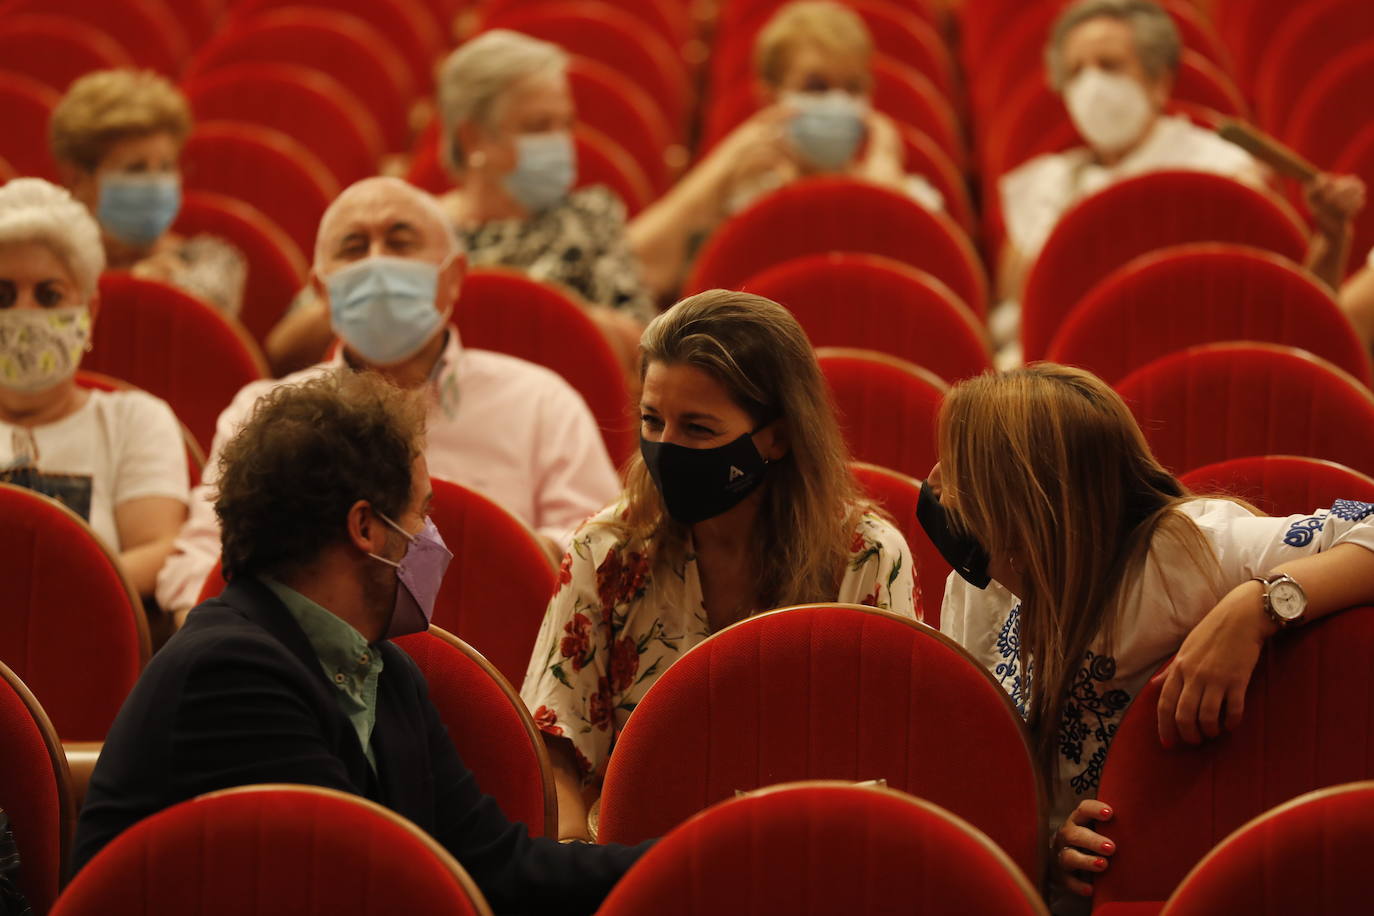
1284	600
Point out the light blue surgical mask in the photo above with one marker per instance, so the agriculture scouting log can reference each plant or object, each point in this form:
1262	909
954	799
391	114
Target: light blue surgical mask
385	308
137	208
828	127
545	169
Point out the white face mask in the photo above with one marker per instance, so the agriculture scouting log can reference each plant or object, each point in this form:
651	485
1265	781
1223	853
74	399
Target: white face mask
1109	110
41	347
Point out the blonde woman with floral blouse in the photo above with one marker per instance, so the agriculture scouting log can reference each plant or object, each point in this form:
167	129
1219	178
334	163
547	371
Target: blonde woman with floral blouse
739	501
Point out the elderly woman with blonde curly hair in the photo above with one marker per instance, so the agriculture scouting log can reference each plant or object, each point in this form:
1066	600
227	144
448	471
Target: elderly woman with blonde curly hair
117	137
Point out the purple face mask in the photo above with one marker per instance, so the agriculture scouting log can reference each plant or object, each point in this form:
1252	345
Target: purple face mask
421	571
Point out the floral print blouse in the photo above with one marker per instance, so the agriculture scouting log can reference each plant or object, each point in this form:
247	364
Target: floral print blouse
618	620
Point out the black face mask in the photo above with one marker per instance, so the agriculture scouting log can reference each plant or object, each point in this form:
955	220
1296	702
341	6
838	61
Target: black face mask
701	483
961	551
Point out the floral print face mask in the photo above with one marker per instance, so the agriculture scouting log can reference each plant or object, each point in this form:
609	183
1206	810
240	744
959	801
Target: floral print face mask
40	348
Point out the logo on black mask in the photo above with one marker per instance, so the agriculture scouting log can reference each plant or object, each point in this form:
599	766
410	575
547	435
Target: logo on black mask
701	483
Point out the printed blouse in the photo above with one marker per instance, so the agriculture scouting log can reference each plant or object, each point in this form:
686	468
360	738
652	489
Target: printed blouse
618	620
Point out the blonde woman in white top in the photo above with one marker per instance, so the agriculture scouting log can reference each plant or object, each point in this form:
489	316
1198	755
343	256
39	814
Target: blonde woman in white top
1103	566
114	458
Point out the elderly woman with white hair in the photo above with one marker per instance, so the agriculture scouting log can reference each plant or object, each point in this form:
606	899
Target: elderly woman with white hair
113	457
507	114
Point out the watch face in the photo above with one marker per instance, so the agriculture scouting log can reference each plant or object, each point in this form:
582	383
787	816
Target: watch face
1287	600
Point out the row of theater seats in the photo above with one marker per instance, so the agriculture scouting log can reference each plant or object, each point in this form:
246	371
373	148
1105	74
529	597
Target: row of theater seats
1209	261
933	724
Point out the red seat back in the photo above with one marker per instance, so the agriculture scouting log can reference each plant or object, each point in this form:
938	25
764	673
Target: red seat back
1136	216
825	692
887	408
490	727
816	847
1321	125
277	270
507	312
1247	27
306	104
307	850
494	595
875	303
898	494
35	792
626	113
79	641
924	158
1282	484
1308	36
173	345
1358	159
344	46
265	168
195	455
408	27
28	106
1172	806
1194	294
1218	401
836	214
146	29
1338	821
671	19
55	50
605	33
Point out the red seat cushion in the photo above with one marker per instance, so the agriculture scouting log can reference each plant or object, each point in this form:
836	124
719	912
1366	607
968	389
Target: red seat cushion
307	850
825	692
1203	293
78	641
1220	401
822	848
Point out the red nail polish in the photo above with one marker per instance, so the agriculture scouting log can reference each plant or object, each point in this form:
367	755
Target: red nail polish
1108	845
1106	812
1099	863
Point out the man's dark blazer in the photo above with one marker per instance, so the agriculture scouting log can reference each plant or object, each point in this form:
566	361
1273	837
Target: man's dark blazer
238	696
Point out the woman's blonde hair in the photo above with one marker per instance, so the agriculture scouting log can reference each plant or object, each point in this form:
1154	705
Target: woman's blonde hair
1047	468
107	106
755	349
474	79
32	210
833	28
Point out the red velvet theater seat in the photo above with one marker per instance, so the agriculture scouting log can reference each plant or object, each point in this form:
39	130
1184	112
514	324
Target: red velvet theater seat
1140	215
78	641
824	847
847	299
887	408
35	791
836	214
826	692
1219	401
1308	856
303	850
1207	292
1282	484
490	728
1308	711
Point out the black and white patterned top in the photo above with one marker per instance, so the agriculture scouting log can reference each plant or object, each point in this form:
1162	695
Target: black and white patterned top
579	244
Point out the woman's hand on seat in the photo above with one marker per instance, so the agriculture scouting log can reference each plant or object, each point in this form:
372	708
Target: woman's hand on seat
1080	850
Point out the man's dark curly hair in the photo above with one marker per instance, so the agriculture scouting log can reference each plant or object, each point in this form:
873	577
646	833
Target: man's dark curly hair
308	453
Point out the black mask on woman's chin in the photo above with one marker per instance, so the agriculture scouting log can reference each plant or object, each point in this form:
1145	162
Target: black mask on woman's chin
701	483
961	551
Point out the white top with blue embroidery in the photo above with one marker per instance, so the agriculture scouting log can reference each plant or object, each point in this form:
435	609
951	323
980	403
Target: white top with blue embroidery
1159	612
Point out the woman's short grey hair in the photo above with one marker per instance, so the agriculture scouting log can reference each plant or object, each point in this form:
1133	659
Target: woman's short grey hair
1156	36
34	211
473	79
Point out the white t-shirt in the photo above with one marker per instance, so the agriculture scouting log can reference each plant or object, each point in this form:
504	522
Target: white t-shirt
1160	609
1037	193
120	445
